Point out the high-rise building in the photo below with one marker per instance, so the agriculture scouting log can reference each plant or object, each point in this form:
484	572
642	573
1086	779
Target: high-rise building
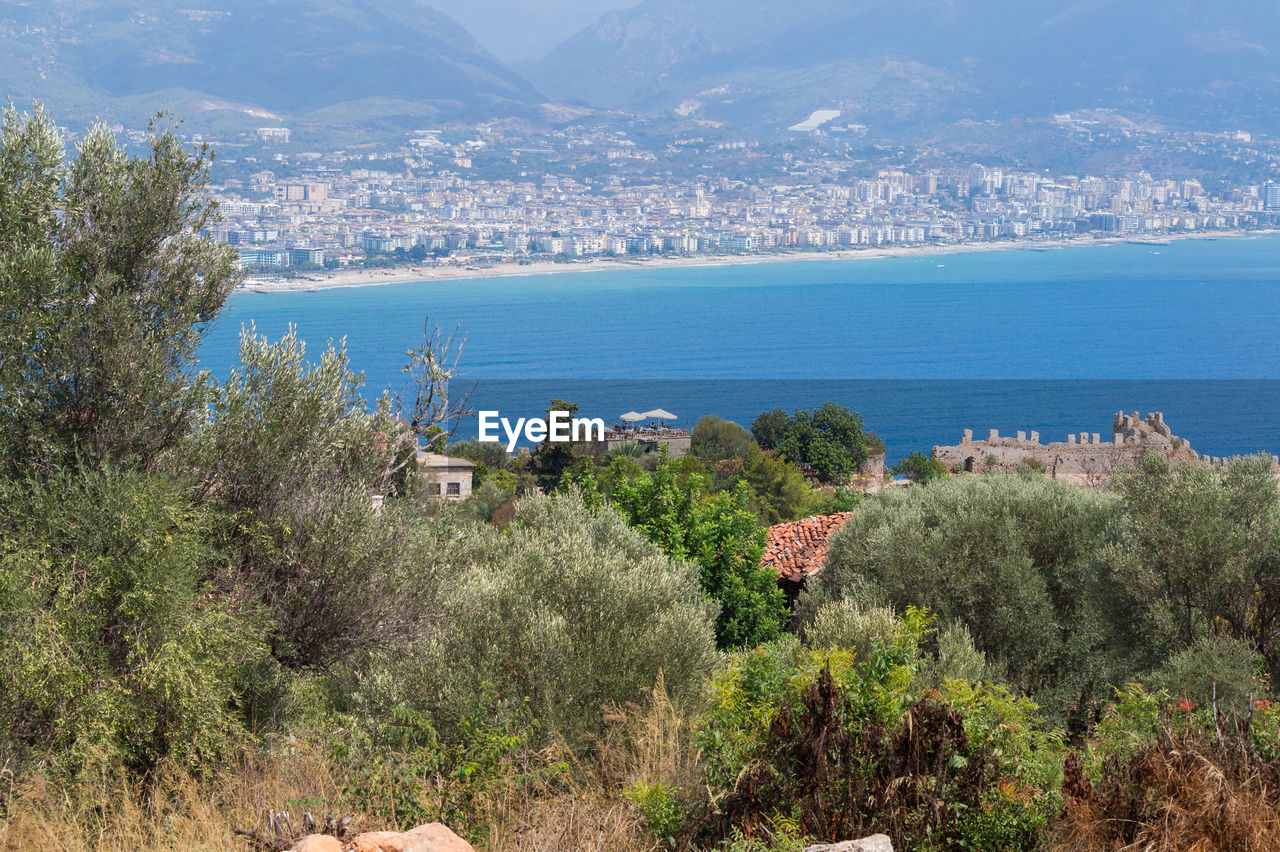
1271	196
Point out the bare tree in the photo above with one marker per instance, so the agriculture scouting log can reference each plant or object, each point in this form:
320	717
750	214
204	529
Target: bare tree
428	405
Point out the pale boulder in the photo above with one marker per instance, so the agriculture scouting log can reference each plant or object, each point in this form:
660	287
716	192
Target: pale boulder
874	843
318	843
432	837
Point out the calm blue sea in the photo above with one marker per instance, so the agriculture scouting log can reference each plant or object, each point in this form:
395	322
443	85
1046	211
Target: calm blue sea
1055	340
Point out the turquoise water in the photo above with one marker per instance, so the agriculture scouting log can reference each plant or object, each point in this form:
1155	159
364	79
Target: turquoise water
1192	310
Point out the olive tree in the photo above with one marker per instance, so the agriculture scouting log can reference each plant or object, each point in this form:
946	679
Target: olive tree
106	288
1015	560
569	609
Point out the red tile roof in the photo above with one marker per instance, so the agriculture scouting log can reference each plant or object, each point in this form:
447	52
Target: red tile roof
796	549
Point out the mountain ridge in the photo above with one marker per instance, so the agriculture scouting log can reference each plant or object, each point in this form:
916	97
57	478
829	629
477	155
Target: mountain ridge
925	61
286	58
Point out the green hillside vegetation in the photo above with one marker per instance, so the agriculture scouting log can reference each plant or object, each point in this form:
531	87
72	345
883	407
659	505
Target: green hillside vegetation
204	616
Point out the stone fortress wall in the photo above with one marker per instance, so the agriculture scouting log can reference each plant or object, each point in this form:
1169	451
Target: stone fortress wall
1082	459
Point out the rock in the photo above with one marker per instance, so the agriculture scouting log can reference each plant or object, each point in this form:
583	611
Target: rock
874	843
318	843
432	837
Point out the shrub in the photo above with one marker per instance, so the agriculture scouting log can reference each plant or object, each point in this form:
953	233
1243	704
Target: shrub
289	457
398	771
568	610
1012	559
721	534
770	428
779	491
487	499
713	439
847	747
957	658
836	500
1199	555
920	468
491	454
830	439
1216	669
109	288
113	648
845	624
1165	775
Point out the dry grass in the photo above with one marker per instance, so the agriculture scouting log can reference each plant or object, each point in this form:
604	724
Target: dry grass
1184	794
112	813
582	809
645	746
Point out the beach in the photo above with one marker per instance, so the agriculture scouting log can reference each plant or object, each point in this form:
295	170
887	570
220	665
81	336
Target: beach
366	277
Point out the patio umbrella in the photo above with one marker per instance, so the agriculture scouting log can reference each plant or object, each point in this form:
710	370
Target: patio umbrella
632	417
660	414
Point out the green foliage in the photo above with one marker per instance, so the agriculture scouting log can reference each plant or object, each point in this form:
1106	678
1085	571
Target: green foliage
957	658
920	468
400	772
1215	669
282	425
487	499
1071	593
289	455
779	491
620	469
567	610
551	461
845	624
665	810
505	479
113	647
719	533
838	500
713	439
1012	559
830	439
770	428
630	450
846	746
106	287
1031	467
1199	555
491	454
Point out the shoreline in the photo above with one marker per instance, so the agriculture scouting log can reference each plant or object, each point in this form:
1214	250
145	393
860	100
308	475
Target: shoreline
374	277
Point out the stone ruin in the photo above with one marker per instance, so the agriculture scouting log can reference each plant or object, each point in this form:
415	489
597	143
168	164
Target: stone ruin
1082	459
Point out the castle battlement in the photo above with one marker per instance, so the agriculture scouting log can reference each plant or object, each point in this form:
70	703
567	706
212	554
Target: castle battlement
1082	458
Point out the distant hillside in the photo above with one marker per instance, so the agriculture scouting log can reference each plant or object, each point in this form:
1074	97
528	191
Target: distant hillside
376	59
905	62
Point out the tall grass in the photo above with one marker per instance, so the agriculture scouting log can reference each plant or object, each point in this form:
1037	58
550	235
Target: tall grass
1184	791
582	808
108	811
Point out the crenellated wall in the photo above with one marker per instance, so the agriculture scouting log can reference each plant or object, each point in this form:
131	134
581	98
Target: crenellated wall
1082	459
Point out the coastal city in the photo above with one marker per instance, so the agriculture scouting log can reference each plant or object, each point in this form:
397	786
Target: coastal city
640	425
486	203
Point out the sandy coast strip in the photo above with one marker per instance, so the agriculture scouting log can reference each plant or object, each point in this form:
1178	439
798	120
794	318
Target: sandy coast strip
367	277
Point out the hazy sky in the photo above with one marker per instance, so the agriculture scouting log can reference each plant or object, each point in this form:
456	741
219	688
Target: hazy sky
525	29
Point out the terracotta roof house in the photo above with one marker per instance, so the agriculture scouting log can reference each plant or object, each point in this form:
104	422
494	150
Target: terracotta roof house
796	549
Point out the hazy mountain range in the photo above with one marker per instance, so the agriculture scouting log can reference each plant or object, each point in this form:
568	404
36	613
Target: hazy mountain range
332	61
927	60
758	63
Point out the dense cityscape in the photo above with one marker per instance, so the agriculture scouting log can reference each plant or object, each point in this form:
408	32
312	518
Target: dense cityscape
496	197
